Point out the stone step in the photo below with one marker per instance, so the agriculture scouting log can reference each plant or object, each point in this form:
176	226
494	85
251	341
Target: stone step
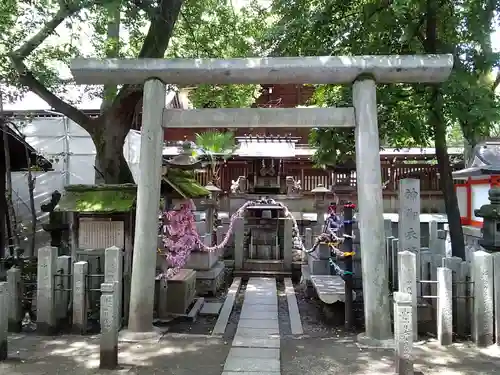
275	274
263	265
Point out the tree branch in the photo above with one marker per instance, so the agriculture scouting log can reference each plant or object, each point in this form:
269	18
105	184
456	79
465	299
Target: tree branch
157	38
49	28
27	78
148	7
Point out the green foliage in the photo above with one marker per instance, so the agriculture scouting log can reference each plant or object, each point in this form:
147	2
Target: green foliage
338	27
217	29
215	146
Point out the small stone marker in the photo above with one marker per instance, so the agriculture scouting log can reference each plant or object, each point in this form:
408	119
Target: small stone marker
80	270
45	304
15	289
482	274
407	282
108	352
444	306
403	335
4	319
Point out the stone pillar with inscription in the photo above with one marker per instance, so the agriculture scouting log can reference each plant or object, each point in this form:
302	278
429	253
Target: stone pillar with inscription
108	352
4	319
407	283
14	283
45	304
444	306
80	271
482	317
403	333
113	272
409	217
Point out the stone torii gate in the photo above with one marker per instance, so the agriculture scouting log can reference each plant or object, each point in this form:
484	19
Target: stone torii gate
363	72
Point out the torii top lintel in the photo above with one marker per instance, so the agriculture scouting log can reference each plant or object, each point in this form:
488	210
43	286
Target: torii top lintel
268	70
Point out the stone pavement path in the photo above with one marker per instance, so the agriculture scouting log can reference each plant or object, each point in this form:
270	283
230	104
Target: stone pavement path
256	345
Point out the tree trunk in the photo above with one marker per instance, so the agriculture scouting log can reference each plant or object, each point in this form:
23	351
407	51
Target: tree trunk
437	121
109	136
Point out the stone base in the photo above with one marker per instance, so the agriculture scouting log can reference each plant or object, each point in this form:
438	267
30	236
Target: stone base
201	260
108	359
369	342
128	336
211	281
181	290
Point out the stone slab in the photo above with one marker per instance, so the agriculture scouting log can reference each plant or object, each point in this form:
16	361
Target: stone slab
211	308
250	364
268	353
250	373
260	300
293	308
258	323
256	342
260	308
330	288
259	315
220	325
258	333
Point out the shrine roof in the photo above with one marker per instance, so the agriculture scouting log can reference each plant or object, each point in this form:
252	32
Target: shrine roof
185	184
98	198
485	160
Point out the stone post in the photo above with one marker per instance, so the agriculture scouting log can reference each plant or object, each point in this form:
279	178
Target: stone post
387	227
15	288
496	291
108	352
62	286
370	203
308	243
444	306
459	290
219	235
113	272
433	229
288	244
80	271
4	319
407	283
403	333
395	251
239	248
45	305
482	277
148	196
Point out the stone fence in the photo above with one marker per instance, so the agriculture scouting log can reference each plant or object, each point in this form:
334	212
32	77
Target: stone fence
63	292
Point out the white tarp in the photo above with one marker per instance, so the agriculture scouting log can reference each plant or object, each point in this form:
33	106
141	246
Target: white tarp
72	153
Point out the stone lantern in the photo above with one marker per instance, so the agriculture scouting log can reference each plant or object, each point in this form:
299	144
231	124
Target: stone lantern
491	221
320	193
212	214
185	159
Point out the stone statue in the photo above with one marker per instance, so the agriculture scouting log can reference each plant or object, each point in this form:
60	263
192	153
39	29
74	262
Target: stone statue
238	186
292	186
